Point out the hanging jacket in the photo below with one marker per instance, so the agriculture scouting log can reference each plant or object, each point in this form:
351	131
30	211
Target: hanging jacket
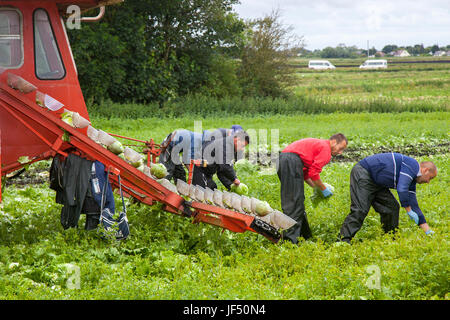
56	177
70	180
98	179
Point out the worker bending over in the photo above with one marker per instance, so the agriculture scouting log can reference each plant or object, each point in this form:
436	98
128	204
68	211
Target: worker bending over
370	181
302	161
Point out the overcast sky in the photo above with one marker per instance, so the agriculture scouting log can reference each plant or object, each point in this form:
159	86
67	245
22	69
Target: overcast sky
324	23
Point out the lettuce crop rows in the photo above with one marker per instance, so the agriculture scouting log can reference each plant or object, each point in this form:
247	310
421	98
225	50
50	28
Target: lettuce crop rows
168	257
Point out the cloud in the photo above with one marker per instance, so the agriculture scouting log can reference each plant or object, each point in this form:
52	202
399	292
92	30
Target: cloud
330	22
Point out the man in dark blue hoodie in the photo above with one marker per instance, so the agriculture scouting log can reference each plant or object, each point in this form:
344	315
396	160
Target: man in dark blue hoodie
370	181
219	151
189	144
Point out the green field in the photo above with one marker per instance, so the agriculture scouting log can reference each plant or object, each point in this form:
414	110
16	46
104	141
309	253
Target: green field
168	257
401	83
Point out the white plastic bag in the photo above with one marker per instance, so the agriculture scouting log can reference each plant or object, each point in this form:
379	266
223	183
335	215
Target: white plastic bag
131	156
236	202
246	204
92	133
209	196
280	220
105	138
254	203
200	193
217	197
226	199
166	184
192	192
266	218
79	122
182	187
52	104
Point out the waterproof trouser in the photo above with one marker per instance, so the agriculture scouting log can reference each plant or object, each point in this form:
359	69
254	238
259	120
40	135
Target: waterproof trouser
204	178
365	193
174	171
290	173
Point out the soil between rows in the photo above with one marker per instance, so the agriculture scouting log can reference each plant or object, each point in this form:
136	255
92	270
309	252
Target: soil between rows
40	175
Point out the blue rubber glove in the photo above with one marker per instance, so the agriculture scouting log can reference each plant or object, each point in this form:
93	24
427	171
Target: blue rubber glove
413	216
429	232
327	193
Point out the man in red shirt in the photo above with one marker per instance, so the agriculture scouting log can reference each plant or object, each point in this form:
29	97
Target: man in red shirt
302	161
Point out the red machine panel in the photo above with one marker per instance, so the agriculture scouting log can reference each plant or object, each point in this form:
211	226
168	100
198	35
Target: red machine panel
34	46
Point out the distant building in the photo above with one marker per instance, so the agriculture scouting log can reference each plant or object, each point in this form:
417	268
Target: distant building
379	54
401	53
439	53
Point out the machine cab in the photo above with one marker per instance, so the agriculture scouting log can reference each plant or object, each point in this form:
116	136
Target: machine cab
34	47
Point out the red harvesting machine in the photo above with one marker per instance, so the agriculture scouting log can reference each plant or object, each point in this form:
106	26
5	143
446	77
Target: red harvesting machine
37	70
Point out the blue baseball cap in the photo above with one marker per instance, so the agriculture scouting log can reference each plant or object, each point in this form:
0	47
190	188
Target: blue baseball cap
236	127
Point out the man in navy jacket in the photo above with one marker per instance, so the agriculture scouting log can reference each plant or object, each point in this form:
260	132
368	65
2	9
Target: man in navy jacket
189	144
219	151
370	181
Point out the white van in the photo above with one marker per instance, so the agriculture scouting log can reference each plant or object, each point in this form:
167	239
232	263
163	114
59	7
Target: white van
374	64
320	64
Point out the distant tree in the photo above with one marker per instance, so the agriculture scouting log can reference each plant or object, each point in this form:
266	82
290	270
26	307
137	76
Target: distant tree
265	68
435	48
328	52
297	51
389	48
418	49
341	51
372	51
155	50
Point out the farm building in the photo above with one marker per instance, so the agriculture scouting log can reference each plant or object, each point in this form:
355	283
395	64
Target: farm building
440	53
401	53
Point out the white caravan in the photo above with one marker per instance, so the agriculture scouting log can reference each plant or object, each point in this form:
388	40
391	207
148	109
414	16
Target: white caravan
374	64
320	64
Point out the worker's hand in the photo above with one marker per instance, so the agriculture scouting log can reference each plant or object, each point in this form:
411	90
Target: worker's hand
429	232
236	181
413	216
327	192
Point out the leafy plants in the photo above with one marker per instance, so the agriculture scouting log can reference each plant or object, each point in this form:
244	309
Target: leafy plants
168	257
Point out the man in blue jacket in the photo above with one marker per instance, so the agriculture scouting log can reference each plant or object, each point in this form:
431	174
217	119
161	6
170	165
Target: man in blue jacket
370	181
219	151
188	144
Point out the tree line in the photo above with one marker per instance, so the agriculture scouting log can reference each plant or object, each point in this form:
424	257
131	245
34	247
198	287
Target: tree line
157	51
343	51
